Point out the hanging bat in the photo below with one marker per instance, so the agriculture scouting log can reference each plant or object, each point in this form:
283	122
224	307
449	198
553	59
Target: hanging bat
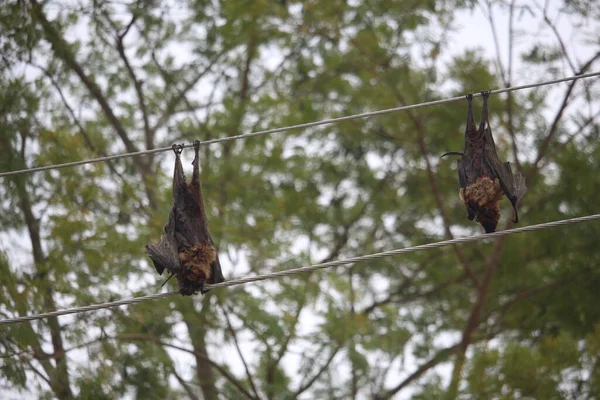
482	176
186	249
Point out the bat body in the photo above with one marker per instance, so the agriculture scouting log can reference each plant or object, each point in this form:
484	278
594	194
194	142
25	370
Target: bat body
186	249
483	177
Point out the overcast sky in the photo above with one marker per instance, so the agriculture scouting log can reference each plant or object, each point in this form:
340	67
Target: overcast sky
473	31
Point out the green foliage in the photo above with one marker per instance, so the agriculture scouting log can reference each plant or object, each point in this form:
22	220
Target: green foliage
104	77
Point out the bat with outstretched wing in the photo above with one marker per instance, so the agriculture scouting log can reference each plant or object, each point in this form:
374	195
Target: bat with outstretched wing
483	177
186	249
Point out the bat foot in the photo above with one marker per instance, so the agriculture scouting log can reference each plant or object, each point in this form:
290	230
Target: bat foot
187	291
192	290
204	291
469	97
486	93
177	148
196	150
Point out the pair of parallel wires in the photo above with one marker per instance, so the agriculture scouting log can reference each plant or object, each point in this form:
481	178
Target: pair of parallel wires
314	267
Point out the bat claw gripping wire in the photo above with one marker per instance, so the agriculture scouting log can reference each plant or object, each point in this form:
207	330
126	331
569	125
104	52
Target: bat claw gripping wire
178	148
469	96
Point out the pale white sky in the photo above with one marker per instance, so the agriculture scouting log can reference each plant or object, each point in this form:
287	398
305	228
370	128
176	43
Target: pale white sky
473	31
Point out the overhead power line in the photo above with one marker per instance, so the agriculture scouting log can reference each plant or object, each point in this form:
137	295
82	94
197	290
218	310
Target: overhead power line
292	127
294	271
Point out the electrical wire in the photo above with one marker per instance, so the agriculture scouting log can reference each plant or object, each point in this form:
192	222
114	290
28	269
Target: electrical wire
293	127
294	271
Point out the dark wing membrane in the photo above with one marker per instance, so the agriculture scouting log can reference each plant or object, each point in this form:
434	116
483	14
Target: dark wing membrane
463	181
216	271
191	228
190	223
462	175
513	185
164	253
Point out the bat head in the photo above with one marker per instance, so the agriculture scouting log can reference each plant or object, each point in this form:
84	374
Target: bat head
196	268
489	226
488	217
482	199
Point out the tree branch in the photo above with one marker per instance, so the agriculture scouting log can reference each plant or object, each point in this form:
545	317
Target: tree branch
185	385
239	351
61	50
534	291
175	101
203	357
474	317
409	280
81	129
305	386
559	39
488	13
148	133
439	357
559	114
58	375
589	121
436	191
196	324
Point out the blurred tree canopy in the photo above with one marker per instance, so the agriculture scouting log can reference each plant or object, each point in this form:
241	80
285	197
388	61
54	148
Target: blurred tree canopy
514	317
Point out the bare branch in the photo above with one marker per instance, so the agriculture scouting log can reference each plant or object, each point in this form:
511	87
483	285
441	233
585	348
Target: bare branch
61	50
475	316
436	192
557	35
185	385
148	133
559	114
39	373
305	386
509	97
534	291
82	131
239	351
581	128
175	101
406	283
489	14
439	357
218	367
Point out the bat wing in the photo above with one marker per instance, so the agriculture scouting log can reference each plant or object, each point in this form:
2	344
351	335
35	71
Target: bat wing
164	253
463	180
216	271
513	184
188	202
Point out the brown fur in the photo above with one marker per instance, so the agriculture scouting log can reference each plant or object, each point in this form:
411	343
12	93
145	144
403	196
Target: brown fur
196	262
483	197
483	191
